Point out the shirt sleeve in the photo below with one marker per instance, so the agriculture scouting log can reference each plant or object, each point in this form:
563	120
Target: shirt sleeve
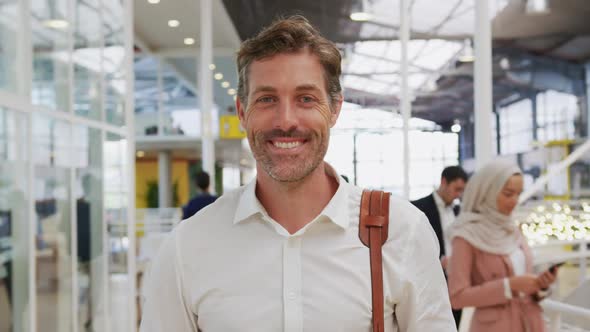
462	292
424	305
165	307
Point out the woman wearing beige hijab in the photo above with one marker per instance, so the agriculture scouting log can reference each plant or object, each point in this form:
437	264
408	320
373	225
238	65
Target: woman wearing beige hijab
491	263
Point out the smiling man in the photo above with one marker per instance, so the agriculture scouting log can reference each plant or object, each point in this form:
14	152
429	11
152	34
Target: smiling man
283	253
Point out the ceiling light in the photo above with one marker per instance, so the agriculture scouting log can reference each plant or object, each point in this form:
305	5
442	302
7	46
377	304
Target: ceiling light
173	23
140	154
218	76
225	84
189	41
212	66
505	63
467	52
153	2
467	58
537	7
231	92
56	24
456	127
361	11
361	16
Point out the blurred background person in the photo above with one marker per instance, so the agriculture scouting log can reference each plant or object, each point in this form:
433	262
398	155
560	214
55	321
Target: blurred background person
441	212
491	267
202	199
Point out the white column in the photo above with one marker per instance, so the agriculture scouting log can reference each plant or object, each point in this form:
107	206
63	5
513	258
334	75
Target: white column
164	182
130	183
24	50
160	104
587	110
206	92
483	83
406	102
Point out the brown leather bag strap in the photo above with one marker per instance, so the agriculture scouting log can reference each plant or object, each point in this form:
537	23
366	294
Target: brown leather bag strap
373	231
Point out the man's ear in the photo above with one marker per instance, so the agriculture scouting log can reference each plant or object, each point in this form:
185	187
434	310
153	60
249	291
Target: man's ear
335	110
241	112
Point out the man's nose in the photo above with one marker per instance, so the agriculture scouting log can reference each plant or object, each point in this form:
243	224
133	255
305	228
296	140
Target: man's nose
286	117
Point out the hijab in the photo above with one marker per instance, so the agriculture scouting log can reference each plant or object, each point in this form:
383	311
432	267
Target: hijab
480	223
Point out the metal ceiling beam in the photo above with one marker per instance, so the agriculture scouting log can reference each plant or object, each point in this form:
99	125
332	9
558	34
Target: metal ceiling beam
192	52
376	73
377	57
182	77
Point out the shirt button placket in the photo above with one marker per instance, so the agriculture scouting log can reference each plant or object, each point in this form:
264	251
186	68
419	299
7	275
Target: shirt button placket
292	304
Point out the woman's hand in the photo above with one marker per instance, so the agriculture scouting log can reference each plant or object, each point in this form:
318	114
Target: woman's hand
444	261
528	284
546	278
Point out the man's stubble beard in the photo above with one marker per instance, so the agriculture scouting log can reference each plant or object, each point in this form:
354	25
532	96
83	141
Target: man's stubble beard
290	169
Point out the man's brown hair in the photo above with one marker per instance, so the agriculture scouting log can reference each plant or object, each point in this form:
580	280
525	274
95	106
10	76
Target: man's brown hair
290	35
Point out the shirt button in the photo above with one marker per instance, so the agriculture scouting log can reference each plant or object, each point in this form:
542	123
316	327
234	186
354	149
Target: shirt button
292	296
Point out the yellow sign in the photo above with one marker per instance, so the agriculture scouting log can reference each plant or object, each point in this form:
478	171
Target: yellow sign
229	127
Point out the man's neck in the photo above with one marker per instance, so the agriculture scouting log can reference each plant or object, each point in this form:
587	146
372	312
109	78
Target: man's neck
442	199
294	204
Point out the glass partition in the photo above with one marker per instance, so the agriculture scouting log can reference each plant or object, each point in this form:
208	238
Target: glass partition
53	249
50	25
87	58
116	204
14	223
8	40
88	195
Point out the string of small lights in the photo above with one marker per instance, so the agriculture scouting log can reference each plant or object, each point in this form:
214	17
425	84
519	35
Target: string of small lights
555	220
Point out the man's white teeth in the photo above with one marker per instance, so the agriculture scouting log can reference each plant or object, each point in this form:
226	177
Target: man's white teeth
287	145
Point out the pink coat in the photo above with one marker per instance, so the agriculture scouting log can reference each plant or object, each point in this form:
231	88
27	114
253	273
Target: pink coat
476	280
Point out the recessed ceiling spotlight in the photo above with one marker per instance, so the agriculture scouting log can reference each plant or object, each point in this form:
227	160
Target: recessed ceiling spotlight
56	24
189	41
225	84
456	127
218	76
212	66
362	13
231	92
361	16
153	2
173	23
537	7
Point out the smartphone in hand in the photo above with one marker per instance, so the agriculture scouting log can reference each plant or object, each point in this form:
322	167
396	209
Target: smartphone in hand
553	268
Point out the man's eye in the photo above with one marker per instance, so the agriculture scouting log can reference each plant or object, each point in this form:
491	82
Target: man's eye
306	99
266	99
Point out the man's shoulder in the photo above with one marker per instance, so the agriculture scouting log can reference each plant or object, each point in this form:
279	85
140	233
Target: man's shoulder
220	211
202	198
403	211
423	200
406	221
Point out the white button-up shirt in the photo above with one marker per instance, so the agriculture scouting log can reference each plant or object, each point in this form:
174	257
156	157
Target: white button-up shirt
231	267
447	217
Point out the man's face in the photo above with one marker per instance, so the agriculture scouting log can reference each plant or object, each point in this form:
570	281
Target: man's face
288	115
451	190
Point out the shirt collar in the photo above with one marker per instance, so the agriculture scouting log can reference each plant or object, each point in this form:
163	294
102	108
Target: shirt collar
336	210
440	202
248	204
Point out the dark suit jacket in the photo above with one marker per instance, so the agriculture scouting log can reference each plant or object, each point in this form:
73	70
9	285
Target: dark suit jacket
428	206
196	204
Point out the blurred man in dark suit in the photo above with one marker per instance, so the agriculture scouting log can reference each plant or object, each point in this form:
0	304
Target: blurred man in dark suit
202	199
440	211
